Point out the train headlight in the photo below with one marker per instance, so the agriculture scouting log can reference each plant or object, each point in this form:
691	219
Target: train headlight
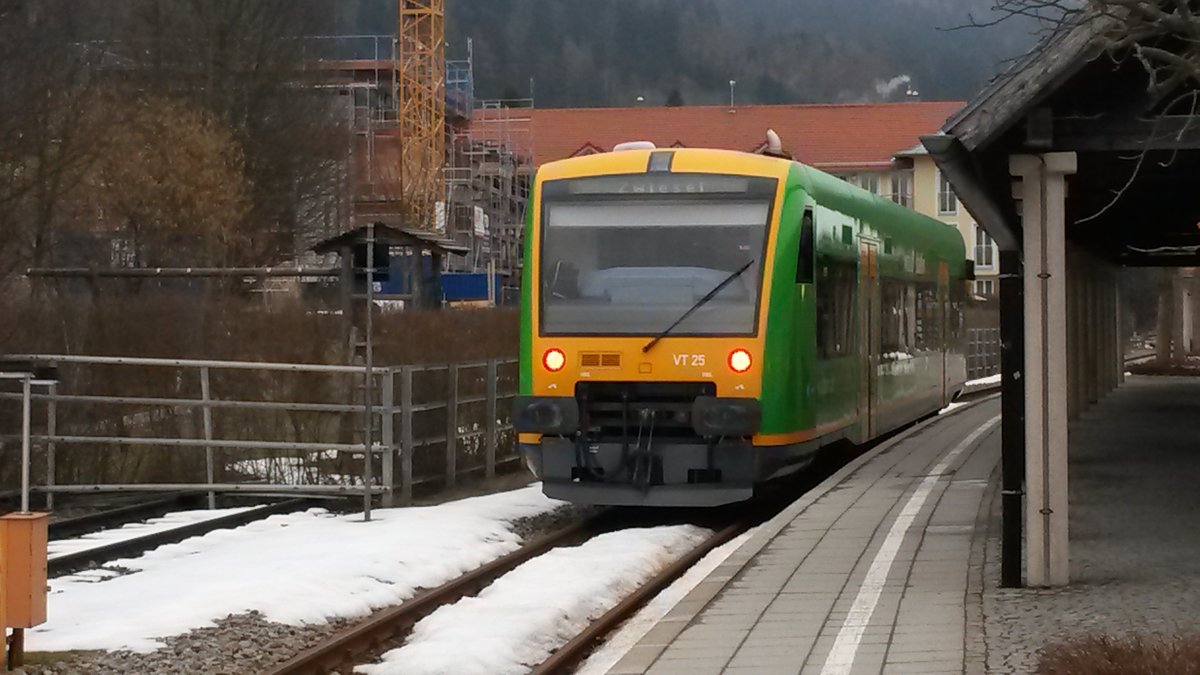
740	361
554	360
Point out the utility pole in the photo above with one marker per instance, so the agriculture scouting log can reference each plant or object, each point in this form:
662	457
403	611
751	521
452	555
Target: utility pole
369	379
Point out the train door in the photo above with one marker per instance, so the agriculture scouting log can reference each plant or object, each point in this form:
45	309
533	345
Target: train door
868	285
944	322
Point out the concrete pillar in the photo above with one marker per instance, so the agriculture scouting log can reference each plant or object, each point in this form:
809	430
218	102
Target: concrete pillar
1095	331
1043	191
1186	307
1194	306
1166	314
1109	325
1120	315
1074	338
1178	353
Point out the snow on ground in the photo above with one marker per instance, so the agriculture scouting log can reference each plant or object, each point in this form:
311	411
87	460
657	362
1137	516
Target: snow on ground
525	615
633	630
952	406
991	379
171	521
295	568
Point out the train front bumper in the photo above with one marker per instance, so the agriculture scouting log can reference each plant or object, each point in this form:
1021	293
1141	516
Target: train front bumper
677	474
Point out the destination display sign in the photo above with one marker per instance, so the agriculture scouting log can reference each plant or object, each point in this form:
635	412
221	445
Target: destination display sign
660	184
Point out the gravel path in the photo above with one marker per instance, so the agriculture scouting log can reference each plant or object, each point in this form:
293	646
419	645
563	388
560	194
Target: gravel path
247	643
1134	508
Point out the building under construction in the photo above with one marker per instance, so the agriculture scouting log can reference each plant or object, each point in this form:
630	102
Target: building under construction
426	153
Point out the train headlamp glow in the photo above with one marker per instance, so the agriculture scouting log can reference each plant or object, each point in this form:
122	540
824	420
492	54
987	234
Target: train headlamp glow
740	361
554	360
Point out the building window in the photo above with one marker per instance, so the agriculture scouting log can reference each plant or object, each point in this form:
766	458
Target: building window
947	202
902	188
122	252
985	287
869	182
984	253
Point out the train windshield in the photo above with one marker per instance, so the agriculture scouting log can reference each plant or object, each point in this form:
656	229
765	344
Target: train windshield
630	263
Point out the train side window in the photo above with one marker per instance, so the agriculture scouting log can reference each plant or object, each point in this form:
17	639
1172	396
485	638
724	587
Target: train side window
894	330
929	333
836	284
805	265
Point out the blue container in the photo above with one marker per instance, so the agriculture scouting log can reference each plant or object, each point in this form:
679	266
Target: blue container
467	286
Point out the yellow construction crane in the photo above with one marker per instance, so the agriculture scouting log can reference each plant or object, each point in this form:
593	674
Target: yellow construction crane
421	54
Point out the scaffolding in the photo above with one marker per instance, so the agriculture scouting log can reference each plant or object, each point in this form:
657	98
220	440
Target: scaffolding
362	71
481	179
489	176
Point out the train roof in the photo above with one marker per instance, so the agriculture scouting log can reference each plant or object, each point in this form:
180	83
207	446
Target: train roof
899	222
885	215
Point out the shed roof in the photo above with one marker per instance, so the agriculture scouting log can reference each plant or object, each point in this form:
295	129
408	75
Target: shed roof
1028	80
391	235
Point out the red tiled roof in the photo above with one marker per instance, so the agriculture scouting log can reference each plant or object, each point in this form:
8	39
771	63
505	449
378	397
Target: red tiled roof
831	137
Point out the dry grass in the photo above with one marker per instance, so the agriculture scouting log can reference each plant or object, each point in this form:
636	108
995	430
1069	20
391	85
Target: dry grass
1136	654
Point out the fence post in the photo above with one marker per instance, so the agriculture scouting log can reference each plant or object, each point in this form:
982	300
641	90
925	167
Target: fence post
26	430
406	435
451	425
387	437
209	460
51	431
491	419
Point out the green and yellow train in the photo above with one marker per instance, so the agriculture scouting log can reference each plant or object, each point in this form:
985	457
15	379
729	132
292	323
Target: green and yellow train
696	323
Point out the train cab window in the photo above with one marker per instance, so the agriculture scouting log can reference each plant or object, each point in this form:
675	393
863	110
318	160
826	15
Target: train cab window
836	281
805	264
630	255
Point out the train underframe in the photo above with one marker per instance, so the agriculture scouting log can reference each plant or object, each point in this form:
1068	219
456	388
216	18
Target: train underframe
651	444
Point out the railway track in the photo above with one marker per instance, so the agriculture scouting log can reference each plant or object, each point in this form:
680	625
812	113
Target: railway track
387	628
78	526
73	562
572	654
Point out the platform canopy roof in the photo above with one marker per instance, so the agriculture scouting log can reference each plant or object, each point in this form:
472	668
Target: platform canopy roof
1134	199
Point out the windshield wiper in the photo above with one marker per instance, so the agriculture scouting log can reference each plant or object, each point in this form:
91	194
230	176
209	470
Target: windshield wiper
699	303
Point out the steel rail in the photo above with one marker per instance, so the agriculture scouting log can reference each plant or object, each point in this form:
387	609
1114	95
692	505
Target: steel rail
573	653
71	562
353	645
80	525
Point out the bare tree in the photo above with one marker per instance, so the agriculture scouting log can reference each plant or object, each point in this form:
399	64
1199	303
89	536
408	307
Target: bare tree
245	64
46	91
1163	35
168	178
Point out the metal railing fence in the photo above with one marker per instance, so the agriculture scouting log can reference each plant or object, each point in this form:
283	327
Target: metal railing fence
418	410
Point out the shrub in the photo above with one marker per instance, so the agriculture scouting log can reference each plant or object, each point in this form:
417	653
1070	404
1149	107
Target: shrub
1135	654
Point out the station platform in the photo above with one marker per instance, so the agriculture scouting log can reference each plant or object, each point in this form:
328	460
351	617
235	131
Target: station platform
892	564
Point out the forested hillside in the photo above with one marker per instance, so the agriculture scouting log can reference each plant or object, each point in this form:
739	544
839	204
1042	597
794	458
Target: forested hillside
609	52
